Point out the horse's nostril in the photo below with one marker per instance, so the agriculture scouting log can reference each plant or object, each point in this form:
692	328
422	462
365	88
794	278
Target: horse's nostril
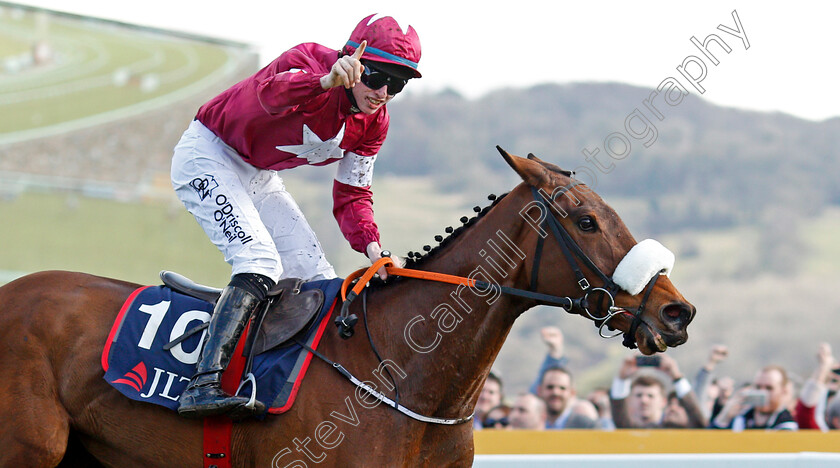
677	313
673	312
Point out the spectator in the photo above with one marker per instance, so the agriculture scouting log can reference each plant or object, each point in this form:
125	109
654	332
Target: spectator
705	385
565	410
764	409
553	339
646	404
490	397
810	407
497	418
528	412
832	415
555	385
719	392
674	415
600	399
638	400
833	381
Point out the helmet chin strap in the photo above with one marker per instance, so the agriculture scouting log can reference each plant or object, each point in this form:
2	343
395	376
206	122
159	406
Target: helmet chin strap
354	106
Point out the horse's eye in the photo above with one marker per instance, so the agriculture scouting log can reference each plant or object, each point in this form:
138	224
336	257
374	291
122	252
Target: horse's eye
587	224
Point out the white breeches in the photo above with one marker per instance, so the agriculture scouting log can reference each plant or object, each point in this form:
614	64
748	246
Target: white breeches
246	211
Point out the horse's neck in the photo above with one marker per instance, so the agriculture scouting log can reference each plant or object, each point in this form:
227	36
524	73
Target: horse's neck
448	337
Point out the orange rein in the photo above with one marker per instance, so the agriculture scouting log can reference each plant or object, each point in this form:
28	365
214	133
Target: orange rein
366	274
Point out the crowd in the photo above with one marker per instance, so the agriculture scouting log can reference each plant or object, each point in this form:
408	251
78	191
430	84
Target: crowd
653	392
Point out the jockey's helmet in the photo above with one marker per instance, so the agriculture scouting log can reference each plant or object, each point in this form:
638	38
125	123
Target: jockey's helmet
388	43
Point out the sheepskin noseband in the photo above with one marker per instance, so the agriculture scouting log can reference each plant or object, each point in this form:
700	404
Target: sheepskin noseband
642	262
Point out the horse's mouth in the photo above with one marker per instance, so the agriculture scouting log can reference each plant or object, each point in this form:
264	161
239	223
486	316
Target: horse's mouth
649	340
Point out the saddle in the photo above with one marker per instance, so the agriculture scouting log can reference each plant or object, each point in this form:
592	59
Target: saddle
286	311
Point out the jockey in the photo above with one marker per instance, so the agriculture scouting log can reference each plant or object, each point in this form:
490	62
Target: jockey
312	105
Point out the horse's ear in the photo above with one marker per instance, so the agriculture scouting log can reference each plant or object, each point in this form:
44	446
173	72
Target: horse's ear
532	172
548	165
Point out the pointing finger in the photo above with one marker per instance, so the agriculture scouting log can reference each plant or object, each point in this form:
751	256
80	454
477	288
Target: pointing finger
360	50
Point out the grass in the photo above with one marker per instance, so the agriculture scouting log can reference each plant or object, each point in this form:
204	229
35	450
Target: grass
127	241
821	237
96	68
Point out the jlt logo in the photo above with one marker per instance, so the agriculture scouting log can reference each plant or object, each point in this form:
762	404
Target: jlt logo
136	379
167	391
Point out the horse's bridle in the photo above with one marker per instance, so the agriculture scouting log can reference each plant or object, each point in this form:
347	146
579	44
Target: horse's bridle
345	321
573	253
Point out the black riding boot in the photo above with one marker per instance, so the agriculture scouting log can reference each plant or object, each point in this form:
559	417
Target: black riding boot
204	396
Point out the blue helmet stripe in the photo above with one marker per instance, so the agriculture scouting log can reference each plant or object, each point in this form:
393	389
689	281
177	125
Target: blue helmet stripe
383	54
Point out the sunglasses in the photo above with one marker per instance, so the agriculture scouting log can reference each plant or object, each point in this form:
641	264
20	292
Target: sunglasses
488	423
375	79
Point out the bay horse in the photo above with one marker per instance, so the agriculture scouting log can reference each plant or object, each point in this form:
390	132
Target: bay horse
436	341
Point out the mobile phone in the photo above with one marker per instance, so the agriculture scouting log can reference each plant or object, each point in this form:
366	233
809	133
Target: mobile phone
755	398
648	361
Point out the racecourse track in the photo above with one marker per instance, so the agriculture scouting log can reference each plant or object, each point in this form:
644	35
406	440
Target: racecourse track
62	72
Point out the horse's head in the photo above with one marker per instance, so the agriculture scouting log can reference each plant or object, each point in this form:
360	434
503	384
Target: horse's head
583	249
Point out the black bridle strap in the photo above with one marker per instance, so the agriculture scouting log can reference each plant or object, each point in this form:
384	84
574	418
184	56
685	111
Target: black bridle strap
535	268
560	301
562	239
630	336
570	248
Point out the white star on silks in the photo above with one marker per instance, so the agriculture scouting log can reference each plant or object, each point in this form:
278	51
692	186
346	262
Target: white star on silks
314	149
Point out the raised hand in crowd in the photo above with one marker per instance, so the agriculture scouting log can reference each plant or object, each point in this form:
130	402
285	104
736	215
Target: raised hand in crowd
718	353
813	398
711	392
553	339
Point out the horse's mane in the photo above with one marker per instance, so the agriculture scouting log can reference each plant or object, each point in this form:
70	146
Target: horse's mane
417	259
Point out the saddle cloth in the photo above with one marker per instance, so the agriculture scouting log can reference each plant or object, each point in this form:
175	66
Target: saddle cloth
136	364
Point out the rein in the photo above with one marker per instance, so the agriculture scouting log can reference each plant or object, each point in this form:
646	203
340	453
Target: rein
366	274
345	321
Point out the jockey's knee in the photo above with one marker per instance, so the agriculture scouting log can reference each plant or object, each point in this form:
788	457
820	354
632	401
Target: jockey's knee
255	283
